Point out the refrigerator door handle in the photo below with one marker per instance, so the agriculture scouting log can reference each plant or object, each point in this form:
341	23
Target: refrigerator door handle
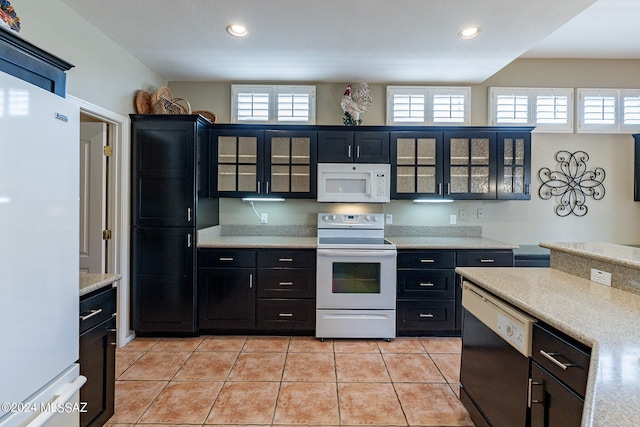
66	393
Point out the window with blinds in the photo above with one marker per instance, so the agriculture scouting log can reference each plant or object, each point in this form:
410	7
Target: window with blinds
548	109
273	104
428	105
608	110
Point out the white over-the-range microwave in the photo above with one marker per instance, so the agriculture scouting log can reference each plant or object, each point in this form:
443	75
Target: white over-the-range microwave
354	182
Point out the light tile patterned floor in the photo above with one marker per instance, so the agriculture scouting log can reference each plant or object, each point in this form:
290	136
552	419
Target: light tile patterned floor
288	381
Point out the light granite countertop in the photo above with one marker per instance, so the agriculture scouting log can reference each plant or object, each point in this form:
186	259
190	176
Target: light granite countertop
90	282
309	242
403	242
625	256
604	318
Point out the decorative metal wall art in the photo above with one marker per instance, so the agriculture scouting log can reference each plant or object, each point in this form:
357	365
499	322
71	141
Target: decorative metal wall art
572	183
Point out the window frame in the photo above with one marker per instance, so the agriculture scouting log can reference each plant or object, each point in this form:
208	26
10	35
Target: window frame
532	95
429	93
273	91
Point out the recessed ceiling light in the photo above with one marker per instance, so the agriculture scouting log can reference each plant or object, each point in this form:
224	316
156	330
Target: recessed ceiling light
470	33
237	30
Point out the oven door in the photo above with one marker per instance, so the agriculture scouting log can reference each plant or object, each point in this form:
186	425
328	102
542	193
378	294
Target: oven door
356	279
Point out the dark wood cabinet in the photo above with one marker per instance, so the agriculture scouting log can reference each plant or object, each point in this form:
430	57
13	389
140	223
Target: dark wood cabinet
226	290
338	146
169	204
426	293
514	166
97	355
636	167
429	296
417	165
286	291
27	62
559	371
270	163
470	165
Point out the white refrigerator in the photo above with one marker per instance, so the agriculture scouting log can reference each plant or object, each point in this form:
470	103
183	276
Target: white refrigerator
39	235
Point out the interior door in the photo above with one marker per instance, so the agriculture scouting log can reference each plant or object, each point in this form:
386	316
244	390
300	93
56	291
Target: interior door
93	193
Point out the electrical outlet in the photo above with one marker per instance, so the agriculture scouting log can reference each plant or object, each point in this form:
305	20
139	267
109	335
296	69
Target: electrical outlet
480	213
452	219
264	218
462	214
389	218
601	277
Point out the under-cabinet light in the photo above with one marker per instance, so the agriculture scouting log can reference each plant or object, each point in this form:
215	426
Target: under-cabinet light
432	201
263	199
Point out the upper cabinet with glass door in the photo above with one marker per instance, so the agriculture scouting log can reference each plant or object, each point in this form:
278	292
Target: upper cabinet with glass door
470	165
290	164
262	163
514	165
416	166
235	163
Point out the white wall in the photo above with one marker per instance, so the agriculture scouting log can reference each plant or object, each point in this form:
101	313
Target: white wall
616	218
104	74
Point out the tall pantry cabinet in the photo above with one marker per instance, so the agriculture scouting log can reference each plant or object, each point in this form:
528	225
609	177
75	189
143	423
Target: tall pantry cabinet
168	178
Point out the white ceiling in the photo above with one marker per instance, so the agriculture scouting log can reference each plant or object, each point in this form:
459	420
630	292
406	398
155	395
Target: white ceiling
360	40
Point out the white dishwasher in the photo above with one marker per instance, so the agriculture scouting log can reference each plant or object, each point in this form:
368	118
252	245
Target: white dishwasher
494	367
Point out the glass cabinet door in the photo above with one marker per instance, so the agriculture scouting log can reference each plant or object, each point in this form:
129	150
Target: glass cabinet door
417	165
237	160
471	165
290	164
514	158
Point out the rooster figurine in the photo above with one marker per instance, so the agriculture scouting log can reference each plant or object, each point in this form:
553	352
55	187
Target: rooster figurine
355	103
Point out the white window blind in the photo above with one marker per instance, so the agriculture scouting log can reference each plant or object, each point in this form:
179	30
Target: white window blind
427	105
548	109
408	108
448	108
253	106
512	109
552	109
273	104
609	110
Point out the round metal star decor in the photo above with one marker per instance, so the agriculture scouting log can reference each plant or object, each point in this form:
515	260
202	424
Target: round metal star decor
572	184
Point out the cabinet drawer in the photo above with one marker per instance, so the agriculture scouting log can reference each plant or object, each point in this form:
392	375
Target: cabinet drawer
561	349
97	308
419	259
485	259
426	315
294	314
226	258
426	284
290	283
287	259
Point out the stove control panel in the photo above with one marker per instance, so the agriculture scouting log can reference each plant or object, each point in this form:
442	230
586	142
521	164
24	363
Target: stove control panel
328	219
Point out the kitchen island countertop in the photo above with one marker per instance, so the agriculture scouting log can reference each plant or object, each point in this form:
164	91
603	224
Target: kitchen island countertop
604	318
90	282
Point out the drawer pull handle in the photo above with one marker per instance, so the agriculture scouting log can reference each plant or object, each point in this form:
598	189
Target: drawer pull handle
285	314
427	261
285	283
427	315
285	259
90	315
530	400
487	260
427	284
226	258
555	361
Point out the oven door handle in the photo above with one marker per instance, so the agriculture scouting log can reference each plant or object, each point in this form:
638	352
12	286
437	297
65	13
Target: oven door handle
357	252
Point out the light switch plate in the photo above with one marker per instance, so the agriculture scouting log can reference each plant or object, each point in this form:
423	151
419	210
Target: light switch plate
389	218
452	219
264	218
